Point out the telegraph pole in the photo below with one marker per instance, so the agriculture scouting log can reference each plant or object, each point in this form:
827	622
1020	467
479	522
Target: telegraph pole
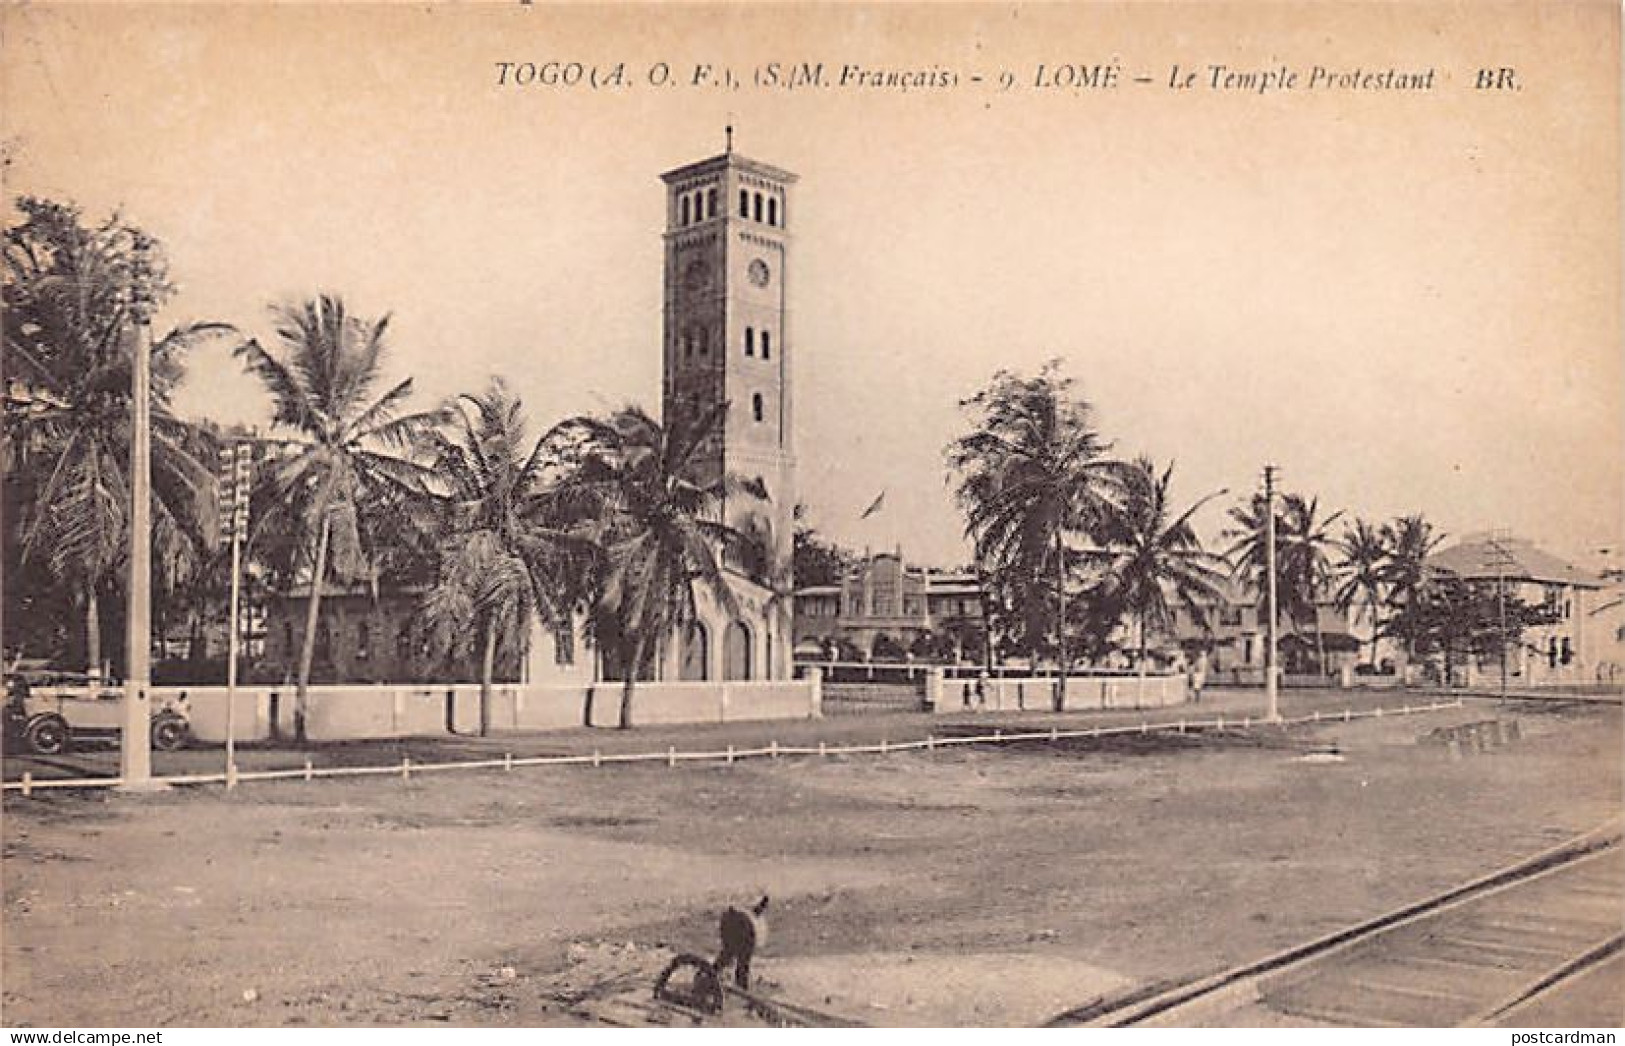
1503	559
1271	651
235	464
135	749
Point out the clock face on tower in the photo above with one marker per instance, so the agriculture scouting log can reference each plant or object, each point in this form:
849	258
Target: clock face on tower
759	273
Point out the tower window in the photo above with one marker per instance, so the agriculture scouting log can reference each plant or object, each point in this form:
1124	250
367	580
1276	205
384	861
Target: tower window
711	202
756	405
744	204
767	345
705	341
750	341
684	219
756	207
772	211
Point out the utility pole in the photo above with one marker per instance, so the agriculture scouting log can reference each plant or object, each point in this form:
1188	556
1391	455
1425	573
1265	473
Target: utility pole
1503	559
1271	652
135	748
235	464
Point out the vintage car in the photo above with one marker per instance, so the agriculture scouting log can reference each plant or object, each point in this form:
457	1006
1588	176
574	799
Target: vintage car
45	711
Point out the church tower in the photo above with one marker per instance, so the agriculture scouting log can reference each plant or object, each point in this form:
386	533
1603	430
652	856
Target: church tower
727	327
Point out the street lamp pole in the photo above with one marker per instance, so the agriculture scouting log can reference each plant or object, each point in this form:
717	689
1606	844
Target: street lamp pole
1271	652
135	749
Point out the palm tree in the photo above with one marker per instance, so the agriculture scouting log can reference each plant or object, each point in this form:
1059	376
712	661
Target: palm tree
70	348
1032	473
340	467
1149	558
1304	556
1303	570
659	530
1410	541
1364	569
502	562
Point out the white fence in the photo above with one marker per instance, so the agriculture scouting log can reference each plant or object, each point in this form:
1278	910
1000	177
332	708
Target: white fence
406	769
1037	693
343	713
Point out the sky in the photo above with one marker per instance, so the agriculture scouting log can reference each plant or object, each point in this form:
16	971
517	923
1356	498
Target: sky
1409	302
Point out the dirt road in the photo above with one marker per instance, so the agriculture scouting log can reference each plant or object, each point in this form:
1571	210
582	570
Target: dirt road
966	887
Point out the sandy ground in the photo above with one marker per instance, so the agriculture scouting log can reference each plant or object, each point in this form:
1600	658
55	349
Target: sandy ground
964	887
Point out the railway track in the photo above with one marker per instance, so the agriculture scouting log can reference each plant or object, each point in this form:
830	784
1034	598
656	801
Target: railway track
1498	950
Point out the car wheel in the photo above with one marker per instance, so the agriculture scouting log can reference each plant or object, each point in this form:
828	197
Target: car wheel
169	733
48	735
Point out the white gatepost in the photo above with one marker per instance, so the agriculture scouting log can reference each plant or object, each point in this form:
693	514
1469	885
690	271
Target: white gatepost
933	687
815	692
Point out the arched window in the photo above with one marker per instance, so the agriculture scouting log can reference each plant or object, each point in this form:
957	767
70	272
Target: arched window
756	405
736	651
684	219
744	204
704	339
750	341
696	655
711	202
772	211
756	207
767	345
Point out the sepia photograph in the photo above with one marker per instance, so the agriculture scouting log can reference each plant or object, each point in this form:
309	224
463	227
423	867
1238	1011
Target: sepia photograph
803	515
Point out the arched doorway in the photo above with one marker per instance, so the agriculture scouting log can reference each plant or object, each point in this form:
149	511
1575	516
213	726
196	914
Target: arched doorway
696	664
736	661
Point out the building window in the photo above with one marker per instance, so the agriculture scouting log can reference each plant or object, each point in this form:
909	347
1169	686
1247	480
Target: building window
756	207
744	204
711	202
704	339
324	643
684	219
750	341
564	646
688	343
767	345
756	405
772	211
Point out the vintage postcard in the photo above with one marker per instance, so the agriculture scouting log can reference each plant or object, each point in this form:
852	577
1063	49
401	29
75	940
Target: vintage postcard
770	515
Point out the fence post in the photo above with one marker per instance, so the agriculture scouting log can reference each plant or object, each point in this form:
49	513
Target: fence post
998	735
730	755
930	742
1345	715
1145	727
821	750
671	755
1054	734
597	758
1182	726
882	746
1315	715
406	768
773	749
1378	712
507	760
1247	722
28	783
1221	721
309	769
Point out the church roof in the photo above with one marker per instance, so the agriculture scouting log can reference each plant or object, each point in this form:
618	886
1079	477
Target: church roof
721	160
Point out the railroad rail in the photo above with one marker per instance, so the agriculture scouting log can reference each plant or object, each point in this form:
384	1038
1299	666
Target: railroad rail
1479	953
